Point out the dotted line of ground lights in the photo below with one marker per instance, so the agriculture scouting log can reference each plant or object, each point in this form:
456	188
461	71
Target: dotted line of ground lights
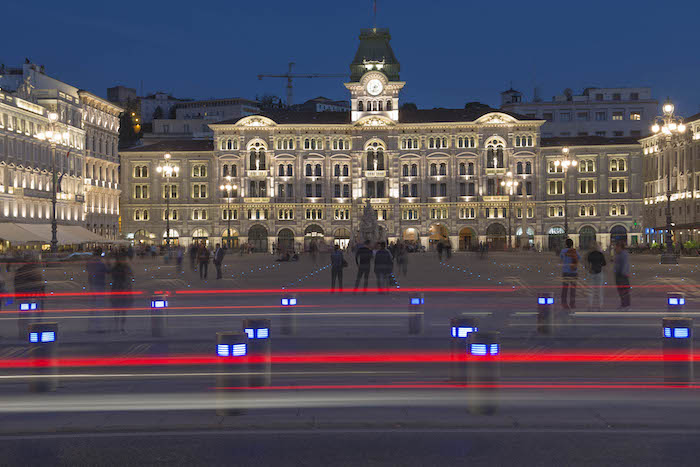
317	271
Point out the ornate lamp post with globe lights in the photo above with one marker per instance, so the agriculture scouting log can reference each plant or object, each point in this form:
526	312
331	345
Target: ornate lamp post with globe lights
54	137
565	162
167	170
227	188
510	184
670	128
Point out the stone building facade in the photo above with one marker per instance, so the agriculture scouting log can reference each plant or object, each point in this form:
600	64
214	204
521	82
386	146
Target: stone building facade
429	175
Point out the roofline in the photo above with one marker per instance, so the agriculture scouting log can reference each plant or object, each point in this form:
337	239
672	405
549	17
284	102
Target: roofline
106	103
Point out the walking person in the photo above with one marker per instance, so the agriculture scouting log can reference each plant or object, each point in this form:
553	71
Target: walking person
193	256
180	253
383	263
203	260
439	248
595	261
363	259
337	264
97	281
569	269
218	260
402	258
622	274
122	279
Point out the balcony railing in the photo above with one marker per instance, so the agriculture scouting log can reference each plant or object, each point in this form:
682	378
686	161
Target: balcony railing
495	199
257	200
257	173
375	173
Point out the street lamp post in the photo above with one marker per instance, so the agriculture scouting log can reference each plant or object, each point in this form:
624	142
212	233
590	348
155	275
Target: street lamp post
167	169
227	188
565	162
510	184
54	137
671	127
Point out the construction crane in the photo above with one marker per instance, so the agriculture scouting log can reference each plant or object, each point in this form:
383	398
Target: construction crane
290	75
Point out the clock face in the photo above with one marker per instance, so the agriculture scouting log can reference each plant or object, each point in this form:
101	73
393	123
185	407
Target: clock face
374	87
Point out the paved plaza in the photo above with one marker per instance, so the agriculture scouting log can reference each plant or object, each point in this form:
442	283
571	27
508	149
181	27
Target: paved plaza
351	362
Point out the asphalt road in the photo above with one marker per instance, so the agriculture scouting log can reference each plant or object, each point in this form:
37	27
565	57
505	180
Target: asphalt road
358	448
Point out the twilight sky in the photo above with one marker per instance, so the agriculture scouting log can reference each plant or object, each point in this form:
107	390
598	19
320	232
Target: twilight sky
451	52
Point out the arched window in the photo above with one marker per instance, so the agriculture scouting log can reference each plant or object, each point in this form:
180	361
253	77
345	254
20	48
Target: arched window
234	170
346	170
223	144
317	170
494	154
309	170
280	170
404	170
470	169
519	168
462	168
414	170
433	169
443	168
388	105
336	170
224	170
379	106
360	106
528	167
289	170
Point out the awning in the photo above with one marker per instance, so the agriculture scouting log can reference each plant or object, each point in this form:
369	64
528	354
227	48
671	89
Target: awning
66	234
14	233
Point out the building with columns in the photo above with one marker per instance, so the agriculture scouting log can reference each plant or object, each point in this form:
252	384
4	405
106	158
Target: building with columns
32	146
429	175
101	176
672	168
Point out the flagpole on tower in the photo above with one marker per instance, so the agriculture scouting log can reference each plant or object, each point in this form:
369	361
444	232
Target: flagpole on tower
375	14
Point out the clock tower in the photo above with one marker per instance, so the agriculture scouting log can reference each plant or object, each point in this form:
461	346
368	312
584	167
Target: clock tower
374	75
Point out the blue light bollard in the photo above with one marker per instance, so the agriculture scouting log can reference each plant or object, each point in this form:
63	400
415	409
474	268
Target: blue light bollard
416	304
460	328
545	313
232	353
43	344
675	302
483	371
159	314
288	317
678	350
27	310
259	347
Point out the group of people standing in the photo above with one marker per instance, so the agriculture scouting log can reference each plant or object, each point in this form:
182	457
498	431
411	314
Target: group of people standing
595	262
200	257
383	258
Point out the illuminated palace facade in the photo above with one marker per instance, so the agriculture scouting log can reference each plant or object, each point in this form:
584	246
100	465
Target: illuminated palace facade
428	174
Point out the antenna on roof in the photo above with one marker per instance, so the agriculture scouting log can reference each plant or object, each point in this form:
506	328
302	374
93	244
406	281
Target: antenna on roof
375	14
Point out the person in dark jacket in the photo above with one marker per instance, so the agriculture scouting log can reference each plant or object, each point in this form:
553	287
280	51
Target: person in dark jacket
596	261
383	263
218	260
203	260
122	280
337	264
363	259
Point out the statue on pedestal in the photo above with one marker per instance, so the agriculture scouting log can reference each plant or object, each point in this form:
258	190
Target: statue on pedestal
369	227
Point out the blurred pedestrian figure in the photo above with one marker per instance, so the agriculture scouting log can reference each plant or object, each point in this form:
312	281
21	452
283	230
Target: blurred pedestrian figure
595	261
383	264
337	264
439	248
448	249
122	279
130	252
203	260
180	254
569	271
193	256
363	259
401	258
313	249
218	260
97	282
622	274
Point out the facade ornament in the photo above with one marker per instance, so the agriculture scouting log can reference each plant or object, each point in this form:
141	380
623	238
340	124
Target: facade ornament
26	89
